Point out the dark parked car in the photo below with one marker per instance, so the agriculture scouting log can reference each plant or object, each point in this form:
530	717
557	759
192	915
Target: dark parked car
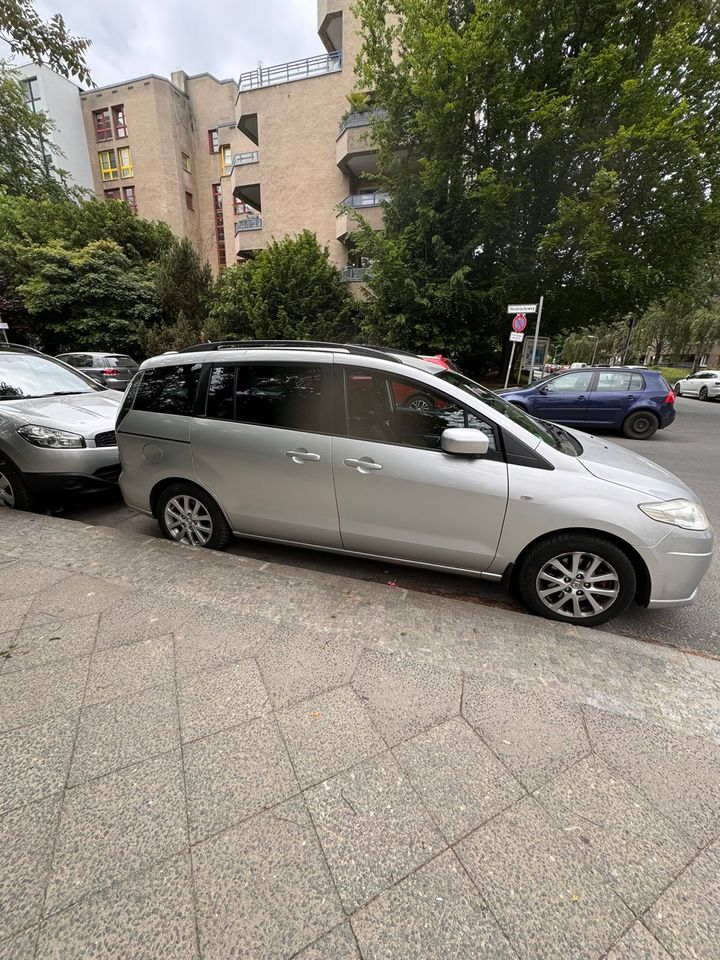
112	370
620	398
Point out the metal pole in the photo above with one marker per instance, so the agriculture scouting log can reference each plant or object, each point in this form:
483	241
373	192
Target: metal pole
535	341
627	342
512	354
592	362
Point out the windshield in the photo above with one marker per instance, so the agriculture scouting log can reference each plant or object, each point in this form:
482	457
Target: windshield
549	433
24	376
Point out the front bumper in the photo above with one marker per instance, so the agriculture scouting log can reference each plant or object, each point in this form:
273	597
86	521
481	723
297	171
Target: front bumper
677	565
46	484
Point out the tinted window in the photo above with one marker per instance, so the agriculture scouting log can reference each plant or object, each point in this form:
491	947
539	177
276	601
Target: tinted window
619	380
168	389
130	395
570	383
288	396
221	393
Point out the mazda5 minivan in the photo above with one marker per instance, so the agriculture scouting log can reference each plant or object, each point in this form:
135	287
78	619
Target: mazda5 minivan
317	445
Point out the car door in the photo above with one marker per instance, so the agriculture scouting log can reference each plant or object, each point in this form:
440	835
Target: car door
263	448
612	396
564	399
691	386
399	495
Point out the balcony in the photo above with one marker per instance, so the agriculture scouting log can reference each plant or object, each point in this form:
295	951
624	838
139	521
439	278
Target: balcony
371	207
360	118
251	223
355	150
240	159
359	200
356	274
294	70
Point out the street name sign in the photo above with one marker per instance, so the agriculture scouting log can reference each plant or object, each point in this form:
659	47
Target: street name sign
522	308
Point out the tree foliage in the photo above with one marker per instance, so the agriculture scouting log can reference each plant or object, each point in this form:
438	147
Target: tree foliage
27	34
553	146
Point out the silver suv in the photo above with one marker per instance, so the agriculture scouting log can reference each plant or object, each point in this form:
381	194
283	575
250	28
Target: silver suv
321	445
57	429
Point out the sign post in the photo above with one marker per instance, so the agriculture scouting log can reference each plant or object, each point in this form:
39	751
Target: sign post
537	333
515	337
518	325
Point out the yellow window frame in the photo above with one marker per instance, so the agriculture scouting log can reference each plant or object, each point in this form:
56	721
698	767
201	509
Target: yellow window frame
108	165
125	162
225	159
186	163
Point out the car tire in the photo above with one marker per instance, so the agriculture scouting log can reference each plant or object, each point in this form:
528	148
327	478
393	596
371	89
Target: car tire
703	393
543	563
188	514
14	492
419	401
641	425
678	390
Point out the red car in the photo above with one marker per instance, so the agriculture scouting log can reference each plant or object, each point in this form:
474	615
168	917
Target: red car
412	399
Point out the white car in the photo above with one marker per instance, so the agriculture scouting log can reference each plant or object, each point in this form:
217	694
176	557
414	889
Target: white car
705	385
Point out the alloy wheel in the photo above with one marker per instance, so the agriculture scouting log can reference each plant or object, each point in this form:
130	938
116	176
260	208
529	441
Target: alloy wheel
578	585
420	403
188	521
7	494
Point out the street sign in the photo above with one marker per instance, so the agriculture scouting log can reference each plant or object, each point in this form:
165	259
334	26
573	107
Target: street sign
522	308
516	337
4	326
519	322
541	351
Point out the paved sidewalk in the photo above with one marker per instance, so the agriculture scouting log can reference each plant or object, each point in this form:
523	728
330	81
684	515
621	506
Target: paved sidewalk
205	756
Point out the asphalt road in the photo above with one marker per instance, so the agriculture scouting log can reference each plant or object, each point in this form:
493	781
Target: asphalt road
690	448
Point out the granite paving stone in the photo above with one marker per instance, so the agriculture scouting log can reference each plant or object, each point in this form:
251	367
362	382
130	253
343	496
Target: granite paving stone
117	826
221	698
123	671
215	638
436	913
21	947
327	734
74	596
31	696
677	773
460	781
637	848
638	944
13	612
686	918
20	578
536	733
405	696
298	662
50	642
372	827
34	760
546	894
145	918
140	616
234	774
116	733
339	944
26	838
263	889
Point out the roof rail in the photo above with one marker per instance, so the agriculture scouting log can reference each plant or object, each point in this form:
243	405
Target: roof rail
18	348
352	348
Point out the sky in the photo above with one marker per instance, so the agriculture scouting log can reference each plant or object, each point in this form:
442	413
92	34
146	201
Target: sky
138	37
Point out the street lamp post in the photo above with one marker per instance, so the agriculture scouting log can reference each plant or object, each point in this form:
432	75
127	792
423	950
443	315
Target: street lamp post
596	339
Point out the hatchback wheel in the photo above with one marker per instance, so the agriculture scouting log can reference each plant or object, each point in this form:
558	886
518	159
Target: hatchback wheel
641	425
419	401
703	393
577	579
13	491
187	514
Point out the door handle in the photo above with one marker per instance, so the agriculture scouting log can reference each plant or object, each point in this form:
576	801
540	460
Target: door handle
630	396
581	397
363	465
301	455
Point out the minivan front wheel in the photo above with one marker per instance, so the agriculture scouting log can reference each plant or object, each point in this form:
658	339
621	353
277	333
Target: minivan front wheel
189	515
584	580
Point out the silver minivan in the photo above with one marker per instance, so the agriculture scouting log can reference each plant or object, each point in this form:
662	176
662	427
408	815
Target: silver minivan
317	445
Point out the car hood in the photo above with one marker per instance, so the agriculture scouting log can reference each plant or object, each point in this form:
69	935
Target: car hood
81	413
609	461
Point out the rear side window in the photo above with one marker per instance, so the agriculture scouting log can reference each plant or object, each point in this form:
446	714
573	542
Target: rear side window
168	390
620	381
118	361
287	396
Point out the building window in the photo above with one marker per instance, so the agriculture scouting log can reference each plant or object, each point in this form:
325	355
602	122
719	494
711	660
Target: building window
219	223
108	165
113	194
126	168
101	123
226	160
213	141
185	162
119	121
32	94
130	198
189	201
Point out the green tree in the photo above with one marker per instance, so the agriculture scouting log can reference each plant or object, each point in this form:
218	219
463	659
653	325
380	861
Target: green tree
289	291
27	34
184	287
537	146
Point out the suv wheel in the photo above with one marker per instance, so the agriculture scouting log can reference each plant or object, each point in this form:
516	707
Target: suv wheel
189	515
678	390
641	425
703	393
13	490
578	579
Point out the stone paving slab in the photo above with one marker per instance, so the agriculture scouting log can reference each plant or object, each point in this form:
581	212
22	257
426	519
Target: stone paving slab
638	944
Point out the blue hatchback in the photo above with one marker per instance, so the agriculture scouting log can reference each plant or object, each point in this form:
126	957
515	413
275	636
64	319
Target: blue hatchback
637	402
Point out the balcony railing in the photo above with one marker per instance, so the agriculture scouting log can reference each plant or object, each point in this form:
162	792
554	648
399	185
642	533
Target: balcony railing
374	199
242	158
252	223
360	118
356	274
294	70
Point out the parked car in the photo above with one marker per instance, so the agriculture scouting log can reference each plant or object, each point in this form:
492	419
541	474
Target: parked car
57	429
112	370
304	443
636	402
705	385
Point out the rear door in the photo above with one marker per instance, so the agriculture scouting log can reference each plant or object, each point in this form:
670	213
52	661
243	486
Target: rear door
564	399
264	448
612	396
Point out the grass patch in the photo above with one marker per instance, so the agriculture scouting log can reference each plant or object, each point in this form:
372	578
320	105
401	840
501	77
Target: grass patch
673	374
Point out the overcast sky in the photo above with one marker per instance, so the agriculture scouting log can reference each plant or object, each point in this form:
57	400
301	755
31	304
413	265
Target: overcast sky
136	37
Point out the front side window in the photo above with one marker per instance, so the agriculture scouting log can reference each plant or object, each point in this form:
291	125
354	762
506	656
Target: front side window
108	165
125	161
569	383
169	389
290	396
23	376
618	380
120	122
102	125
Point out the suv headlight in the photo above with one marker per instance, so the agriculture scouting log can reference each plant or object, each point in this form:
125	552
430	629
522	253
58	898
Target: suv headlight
681	513
50	438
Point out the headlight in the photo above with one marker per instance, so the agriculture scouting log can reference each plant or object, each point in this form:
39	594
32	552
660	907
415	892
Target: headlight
681	513
49	438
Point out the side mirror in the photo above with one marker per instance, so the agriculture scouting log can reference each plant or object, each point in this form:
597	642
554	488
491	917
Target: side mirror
465	440
543	391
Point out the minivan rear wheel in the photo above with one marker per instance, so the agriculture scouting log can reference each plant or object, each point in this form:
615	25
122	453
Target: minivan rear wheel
188	514
579	579
13	489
